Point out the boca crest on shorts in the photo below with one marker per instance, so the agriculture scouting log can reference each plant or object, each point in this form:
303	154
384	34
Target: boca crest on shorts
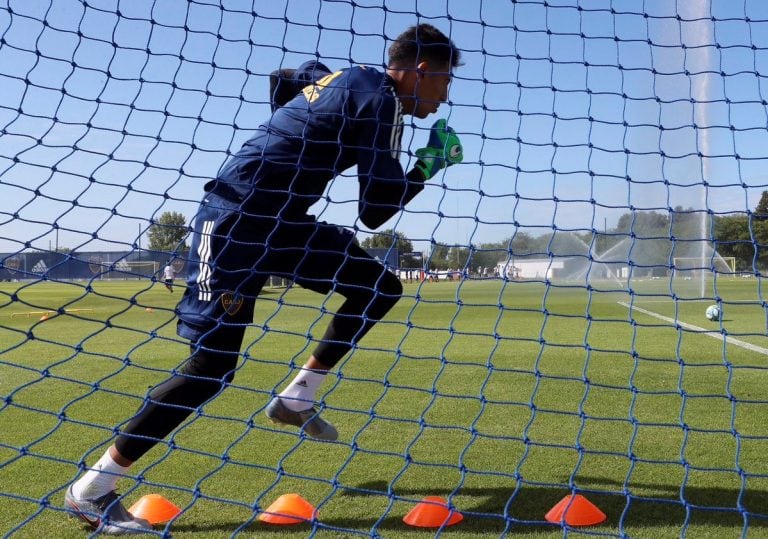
222	284
231	302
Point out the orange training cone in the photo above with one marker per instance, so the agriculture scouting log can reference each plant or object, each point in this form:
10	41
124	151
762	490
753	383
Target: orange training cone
575	510
289	509
149	309
44	318
432	512
154	509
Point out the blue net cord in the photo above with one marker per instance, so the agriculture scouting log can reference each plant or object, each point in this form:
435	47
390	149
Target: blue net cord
582	309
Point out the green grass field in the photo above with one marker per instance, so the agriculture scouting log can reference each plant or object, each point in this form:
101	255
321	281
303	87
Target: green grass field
497	395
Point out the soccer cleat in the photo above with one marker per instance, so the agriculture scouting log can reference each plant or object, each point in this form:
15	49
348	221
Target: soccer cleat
106	514
307	420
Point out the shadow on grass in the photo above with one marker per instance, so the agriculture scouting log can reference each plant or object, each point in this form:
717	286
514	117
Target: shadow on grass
496	510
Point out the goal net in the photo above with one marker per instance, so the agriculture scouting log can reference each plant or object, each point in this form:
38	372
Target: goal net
549	361
140	269
690	267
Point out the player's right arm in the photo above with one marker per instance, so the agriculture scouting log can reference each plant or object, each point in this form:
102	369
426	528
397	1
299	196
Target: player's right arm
384	188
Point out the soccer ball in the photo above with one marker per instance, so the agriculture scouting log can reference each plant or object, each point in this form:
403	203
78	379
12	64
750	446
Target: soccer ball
713	313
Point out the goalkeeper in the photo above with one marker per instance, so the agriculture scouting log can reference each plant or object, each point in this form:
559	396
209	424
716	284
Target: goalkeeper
253	222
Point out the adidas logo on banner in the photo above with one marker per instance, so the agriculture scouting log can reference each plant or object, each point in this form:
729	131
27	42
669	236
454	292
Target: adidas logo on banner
40	267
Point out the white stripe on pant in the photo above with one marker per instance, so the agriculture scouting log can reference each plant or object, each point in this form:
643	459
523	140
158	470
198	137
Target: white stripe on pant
204	269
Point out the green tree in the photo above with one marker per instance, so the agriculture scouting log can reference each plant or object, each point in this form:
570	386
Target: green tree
745	236
386	239
761	210
758	225
733	238
648	232
411	262
168	232
522	243
458	256
487	255
687	222
643	223
759	235
438	256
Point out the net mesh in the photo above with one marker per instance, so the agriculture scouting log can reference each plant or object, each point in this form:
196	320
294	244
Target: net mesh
552	337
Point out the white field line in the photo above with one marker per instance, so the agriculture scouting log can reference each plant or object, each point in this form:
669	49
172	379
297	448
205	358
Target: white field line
714	334
757	302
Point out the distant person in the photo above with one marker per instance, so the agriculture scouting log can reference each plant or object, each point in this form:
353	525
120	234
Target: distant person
169	274
253	223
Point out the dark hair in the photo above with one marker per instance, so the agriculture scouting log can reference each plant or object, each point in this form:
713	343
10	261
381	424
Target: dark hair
423	42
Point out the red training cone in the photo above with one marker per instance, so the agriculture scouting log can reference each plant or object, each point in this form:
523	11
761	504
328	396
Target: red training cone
289	509
578	510
154	509
432	512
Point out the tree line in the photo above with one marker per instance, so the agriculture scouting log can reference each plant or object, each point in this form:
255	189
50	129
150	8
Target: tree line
744	236
651	239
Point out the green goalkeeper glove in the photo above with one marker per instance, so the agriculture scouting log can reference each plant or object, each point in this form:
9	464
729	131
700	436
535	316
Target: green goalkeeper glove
443	150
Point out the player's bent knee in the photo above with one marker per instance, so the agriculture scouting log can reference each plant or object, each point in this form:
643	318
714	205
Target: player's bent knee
390	290
391	287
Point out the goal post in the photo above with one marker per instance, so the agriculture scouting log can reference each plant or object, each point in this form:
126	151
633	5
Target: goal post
103	266
140	269
721	266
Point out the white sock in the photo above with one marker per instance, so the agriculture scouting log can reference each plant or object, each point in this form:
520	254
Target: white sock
300	394
99	480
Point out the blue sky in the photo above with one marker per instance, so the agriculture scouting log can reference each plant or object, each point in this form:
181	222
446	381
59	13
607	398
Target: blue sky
108	120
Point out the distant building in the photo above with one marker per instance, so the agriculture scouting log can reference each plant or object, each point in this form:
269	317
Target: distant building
575	268
529	268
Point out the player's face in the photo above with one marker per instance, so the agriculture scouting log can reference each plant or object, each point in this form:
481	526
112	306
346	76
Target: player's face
431	89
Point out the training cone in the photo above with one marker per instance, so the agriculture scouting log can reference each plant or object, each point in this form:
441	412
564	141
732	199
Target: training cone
44	318
154	509
288	509
432	512
149	309
575	510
